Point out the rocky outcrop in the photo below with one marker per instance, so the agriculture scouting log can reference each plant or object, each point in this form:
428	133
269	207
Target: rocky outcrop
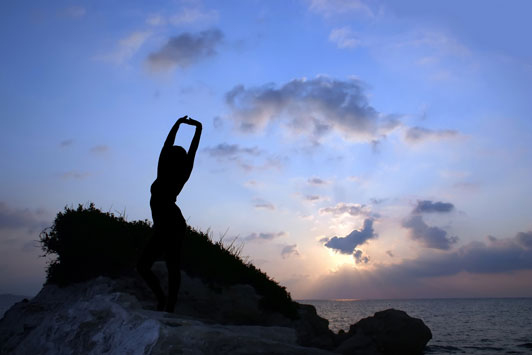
117	316
94	318
387	332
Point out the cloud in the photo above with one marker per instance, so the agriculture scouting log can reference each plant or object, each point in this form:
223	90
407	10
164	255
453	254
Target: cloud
230	151
430	237
190	15
263	236
415	277
260	203
427	206
352	209
347	244
419	134
317	181
185	16
185	50
330	8
11	218
289	250
66	143
360	258
100	149
525	239
310	107
126	48
247	158
343	37
312	197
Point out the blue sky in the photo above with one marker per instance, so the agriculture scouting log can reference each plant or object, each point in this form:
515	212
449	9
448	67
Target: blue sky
358	149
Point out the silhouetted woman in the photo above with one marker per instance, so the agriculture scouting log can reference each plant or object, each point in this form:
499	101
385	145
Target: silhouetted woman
173	171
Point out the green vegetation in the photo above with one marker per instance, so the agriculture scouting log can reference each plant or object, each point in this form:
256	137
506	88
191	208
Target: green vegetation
86	242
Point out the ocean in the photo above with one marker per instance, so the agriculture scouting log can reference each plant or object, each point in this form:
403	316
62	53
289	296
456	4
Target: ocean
459	326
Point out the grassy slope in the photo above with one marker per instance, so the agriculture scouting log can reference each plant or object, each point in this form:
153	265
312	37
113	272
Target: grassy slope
87	242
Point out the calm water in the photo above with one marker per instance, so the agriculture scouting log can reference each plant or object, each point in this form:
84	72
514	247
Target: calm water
459	326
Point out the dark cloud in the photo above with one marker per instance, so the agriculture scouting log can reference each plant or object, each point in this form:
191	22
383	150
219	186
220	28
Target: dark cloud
347	244
11	218
430	237
317	181
312	107
360	258
525	239
289	250
412	277
185	50
420	134
353	209
427	206
263	236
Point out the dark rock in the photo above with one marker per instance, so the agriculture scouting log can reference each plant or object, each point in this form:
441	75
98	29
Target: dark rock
387	332
311	329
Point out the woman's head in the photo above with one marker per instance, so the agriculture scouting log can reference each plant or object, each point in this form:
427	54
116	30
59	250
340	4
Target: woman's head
178	154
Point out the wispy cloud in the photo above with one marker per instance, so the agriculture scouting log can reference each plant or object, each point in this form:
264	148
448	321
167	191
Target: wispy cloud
100	149
317	181
126	48
191	14
185	50
419	134
247	158
231	151
263	204
289	250
264	236
66	143
344	37
330	8
353	209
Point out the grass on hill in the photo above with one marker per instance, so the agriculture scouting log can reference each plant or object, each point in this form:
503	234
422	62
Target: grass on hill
86	242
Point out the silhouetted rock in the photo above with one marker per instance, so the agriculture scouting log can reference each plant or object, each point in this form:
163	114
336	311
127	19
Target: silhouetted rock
117	316
387	332
105	316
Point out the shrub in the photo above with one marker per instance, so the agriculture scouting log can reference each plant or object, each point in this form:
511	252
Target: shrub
87	242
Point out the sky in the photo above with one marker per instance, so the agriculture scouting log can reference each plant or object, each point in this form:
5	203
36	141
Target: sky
356	149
